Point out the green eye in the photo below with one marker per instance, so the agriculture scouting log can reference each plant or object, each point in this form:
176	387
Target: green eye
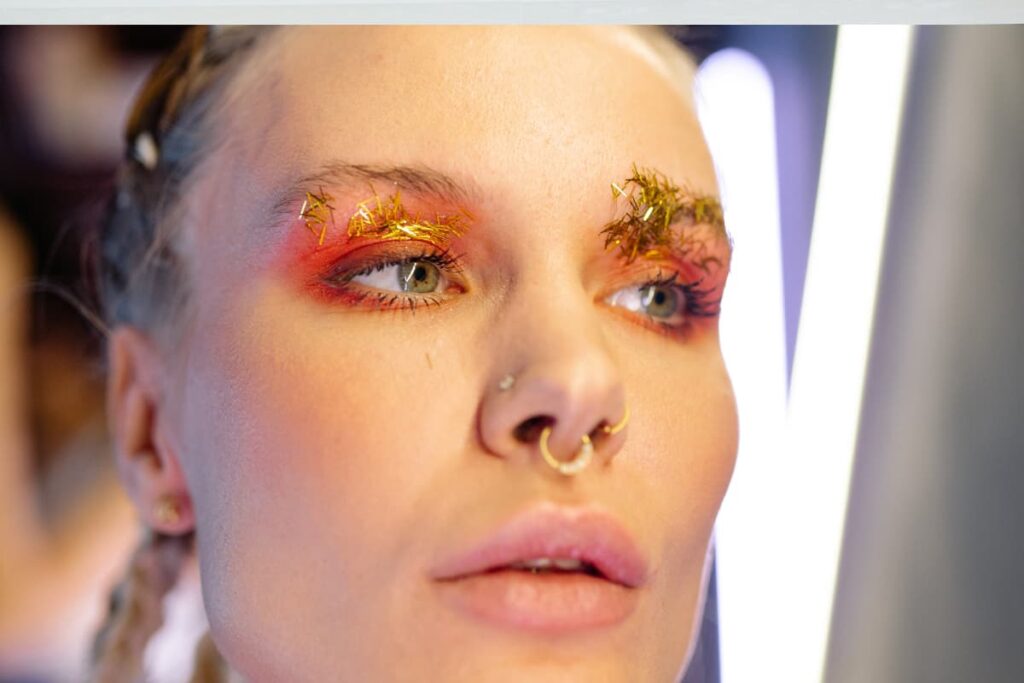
663	302
420	277
659	301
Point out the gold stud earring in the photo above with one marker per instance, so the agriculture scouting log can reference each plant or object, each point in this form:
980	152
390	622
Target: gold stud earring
167	510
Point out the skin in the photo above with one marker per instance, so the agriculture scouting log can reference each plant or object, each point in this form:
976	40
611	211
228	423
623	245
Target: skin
328	456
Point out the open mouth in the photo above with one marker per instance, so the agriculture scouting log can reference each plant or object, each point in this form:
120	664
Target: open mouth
551	569
549	540
548	595
545	565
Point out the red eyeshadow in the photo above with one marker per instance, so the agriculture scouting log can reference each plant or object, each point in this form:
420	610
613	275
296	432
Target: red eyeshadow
305	261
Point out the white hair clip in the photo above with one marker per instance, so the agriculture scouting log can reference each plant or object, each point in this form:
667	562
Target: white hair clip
146	152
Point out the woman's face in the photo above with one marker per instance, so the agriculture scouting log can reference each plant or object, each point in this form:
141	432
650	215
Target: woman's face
345	442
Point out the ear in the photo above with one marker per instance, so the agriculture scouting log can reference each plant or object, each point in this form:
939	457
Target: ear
139	418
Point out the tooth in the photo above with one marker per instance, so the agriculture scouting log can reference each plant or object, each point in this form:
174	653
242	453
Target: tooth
564	564
538	563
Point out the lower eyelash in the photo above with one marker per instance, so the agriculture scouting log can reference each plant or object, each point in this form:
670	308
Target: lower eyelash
395	301
410	302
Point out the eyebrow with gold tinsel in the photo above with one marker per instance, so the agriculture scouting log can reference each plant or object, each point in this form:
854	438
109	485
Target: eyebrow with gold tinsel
388	219
317	213
420	180
654	207
383	218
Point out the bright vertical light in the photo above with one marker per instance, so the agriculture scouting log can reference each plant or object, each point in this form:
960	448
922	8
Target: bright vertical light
780	530
736	106
861	134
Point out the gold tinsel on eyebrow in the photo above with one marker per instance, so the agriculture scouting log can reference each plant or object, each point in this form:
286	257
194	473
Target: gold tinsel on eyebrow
317	212
655	205
387	219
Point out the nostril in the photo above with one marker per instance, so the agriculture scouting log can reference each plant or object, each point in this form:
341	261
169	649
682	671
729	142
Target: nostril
528	431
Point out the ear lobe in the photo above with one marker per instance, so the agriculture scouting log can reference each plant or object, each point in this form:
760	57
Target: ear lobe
138	417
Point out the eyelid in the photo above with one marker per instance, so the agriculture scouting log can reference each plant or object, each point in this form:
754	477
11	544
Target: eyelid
390	252
639	274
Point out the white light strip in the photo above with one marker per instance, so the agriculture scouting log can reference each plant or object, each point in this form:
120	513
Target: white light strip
736	106
861	135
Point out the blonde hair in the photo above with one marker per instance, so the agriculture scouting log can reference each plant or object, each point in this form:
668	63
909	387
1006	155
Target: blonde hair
136	612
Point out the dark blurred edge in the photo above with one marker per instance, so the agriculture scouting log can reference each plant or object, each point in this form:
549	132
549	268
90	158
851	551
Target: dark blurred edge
704	664
58	200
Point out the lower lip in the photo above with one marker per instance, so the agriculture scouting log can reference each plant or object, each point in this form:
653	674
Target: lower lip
546	602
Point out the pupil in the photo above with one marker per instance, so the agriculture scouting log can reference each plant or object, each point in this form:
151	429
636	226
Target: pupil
418	276
659	301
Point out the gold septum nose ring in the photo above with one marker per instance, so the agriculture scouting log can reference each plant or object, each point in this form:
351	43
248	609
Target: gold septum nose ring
583	455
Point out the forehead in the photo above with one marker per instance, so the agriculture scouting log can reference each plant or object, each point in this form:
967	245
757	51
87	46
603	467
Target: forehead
543	102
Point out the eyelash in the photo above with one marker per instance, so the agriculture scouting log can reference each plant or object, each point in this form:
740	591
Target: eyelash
699	302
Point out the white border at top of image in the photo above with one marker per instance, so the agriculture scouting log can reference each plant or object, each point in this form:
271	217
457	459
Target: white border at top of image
513	11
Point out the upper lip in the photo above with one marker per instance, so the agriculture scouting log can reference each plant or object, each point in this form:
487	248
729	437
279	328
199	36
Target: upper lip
586	534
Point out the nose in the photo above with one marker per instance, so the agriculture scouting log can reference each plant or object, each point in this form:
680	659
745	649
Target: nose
553	386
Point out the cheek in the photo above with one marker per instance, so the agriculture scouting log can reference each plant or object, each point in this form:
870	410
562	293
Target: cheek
294	460
694	431
681	453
